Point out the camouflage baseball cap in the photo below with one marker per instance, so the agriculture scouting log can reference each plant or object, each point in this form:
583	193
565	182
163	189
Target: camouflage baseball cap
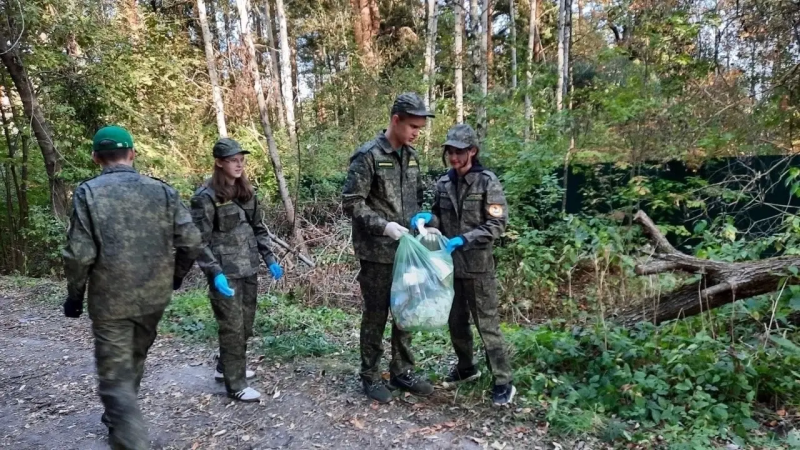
461	136
111	138
226	147
410	103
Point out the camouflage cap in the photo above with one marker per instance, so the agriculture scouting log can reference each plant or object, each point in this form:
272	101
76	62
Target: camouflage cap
226	147
111	138
461	136
410	103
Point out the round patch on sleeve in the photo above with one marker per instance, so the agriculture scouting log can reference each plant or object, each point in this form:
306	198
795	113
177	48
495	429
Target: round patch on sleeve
496	210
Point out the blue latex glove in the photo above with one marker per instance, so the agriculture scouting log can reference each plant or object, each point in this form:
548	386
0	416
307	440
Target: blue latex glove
276	270
221	283
421	215
454	244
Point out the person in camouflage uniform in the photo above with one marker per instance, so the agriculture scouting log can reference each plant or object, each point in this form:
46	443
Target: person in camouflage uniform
383	190
231	221
470	208
122	232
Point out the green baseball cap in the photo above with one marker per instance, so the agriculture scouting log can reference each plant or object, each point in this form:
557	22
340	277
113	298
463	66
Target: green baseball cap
461	136
410	103
111	138
226	147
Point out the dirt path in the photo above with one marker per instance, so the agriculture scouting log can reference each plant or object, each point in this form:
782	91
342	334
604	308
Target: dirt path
48	398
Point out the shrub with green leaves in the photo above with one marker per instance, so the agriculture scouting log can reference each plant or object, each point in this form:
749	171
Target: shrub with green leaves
691	378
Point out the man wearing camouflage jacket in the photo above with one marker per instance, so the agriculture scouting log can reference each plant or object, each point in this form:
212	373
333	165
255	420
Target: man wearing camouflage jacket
123	230
383	190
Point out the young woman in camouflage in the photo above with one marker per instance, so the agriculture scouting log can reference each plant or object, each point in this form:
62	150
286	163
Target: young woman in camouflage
469	207
231	222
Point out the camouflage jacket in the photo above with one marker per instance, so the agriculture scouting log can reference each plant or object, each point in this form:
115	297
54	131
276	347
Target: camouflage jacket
233	235
473	207
123	229
382	186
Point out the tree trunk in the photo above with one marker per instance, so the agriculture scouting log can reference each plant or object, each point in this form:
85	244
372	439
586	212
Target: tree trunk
475	36
567	50
721	283
12	228
529	117
287	86
430	68
274	60
483	122
211	63
41	128
14	233
561	83
512	14
366	25
129	12
274	157
298	114
22	188
488	30
459	59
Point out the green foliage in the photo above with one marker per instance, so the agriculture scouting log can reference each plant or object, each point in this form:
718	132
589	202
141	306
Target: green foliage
685	381
287	330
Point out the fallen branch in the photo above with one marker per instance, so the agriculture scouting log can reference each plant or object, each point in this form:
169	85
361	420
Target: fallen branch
291	249
720	282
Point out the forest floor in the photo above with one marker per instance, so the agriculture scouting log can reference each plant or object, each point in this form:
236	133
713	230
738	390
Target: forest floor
48	396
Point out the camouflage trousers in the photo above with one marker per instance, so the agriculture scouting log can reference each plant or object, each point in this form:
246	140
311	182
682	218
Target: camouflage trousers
478	297
235	316
376	285
120	351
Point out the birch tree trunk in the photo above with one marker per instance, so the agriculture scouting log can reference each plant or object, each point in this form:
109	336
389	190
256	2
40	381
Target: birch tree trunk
529	117
430	67
459	59
561	83
512	20
488	27
286	73
475	45
483	122
283	187
211	63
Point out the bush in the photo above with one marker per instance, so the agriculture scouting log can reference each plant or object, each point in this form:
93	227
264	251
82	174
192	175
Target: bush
691	378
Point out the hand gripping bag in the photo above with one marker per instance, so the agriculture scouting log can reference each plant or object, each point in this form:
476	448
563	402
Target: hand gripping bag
422	283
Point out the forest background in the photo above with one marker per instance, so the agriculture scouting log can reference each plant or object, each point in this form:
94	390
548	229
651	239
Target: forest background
614	92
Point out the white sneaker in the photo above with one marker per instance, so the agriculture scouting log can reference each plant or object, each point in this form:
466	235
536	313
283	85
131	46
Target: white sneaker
247	394
218	376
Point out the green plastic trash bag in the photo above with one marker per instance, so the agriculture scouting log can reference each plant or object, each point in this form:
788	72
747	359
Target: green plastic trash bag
422	283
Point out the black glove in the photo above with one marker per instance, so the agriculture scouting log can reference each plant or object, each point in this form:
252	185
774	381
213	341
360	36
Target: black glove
176	283
73	307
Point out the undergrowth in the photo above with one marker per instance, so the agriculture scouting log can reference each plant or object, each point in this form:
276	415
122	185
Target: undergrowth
703	382
286	330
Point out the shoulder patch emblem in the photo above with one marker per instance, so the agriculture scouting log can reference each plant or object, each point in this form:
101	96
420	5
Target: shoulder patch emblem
496	210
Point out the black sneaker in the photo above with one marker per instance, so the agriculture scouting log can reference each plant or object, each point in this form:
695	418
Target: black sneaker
409	382
457	375
503	394
377	391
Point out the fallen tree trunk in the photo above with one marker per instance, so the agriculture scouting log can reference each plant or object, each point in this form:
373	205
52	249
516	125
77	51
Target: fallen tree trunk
720	282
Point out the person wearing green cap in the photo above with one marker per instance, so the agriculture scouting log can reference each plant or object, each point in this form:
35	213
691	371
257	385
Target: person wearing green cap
383	190
122	232
470	208
231	221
